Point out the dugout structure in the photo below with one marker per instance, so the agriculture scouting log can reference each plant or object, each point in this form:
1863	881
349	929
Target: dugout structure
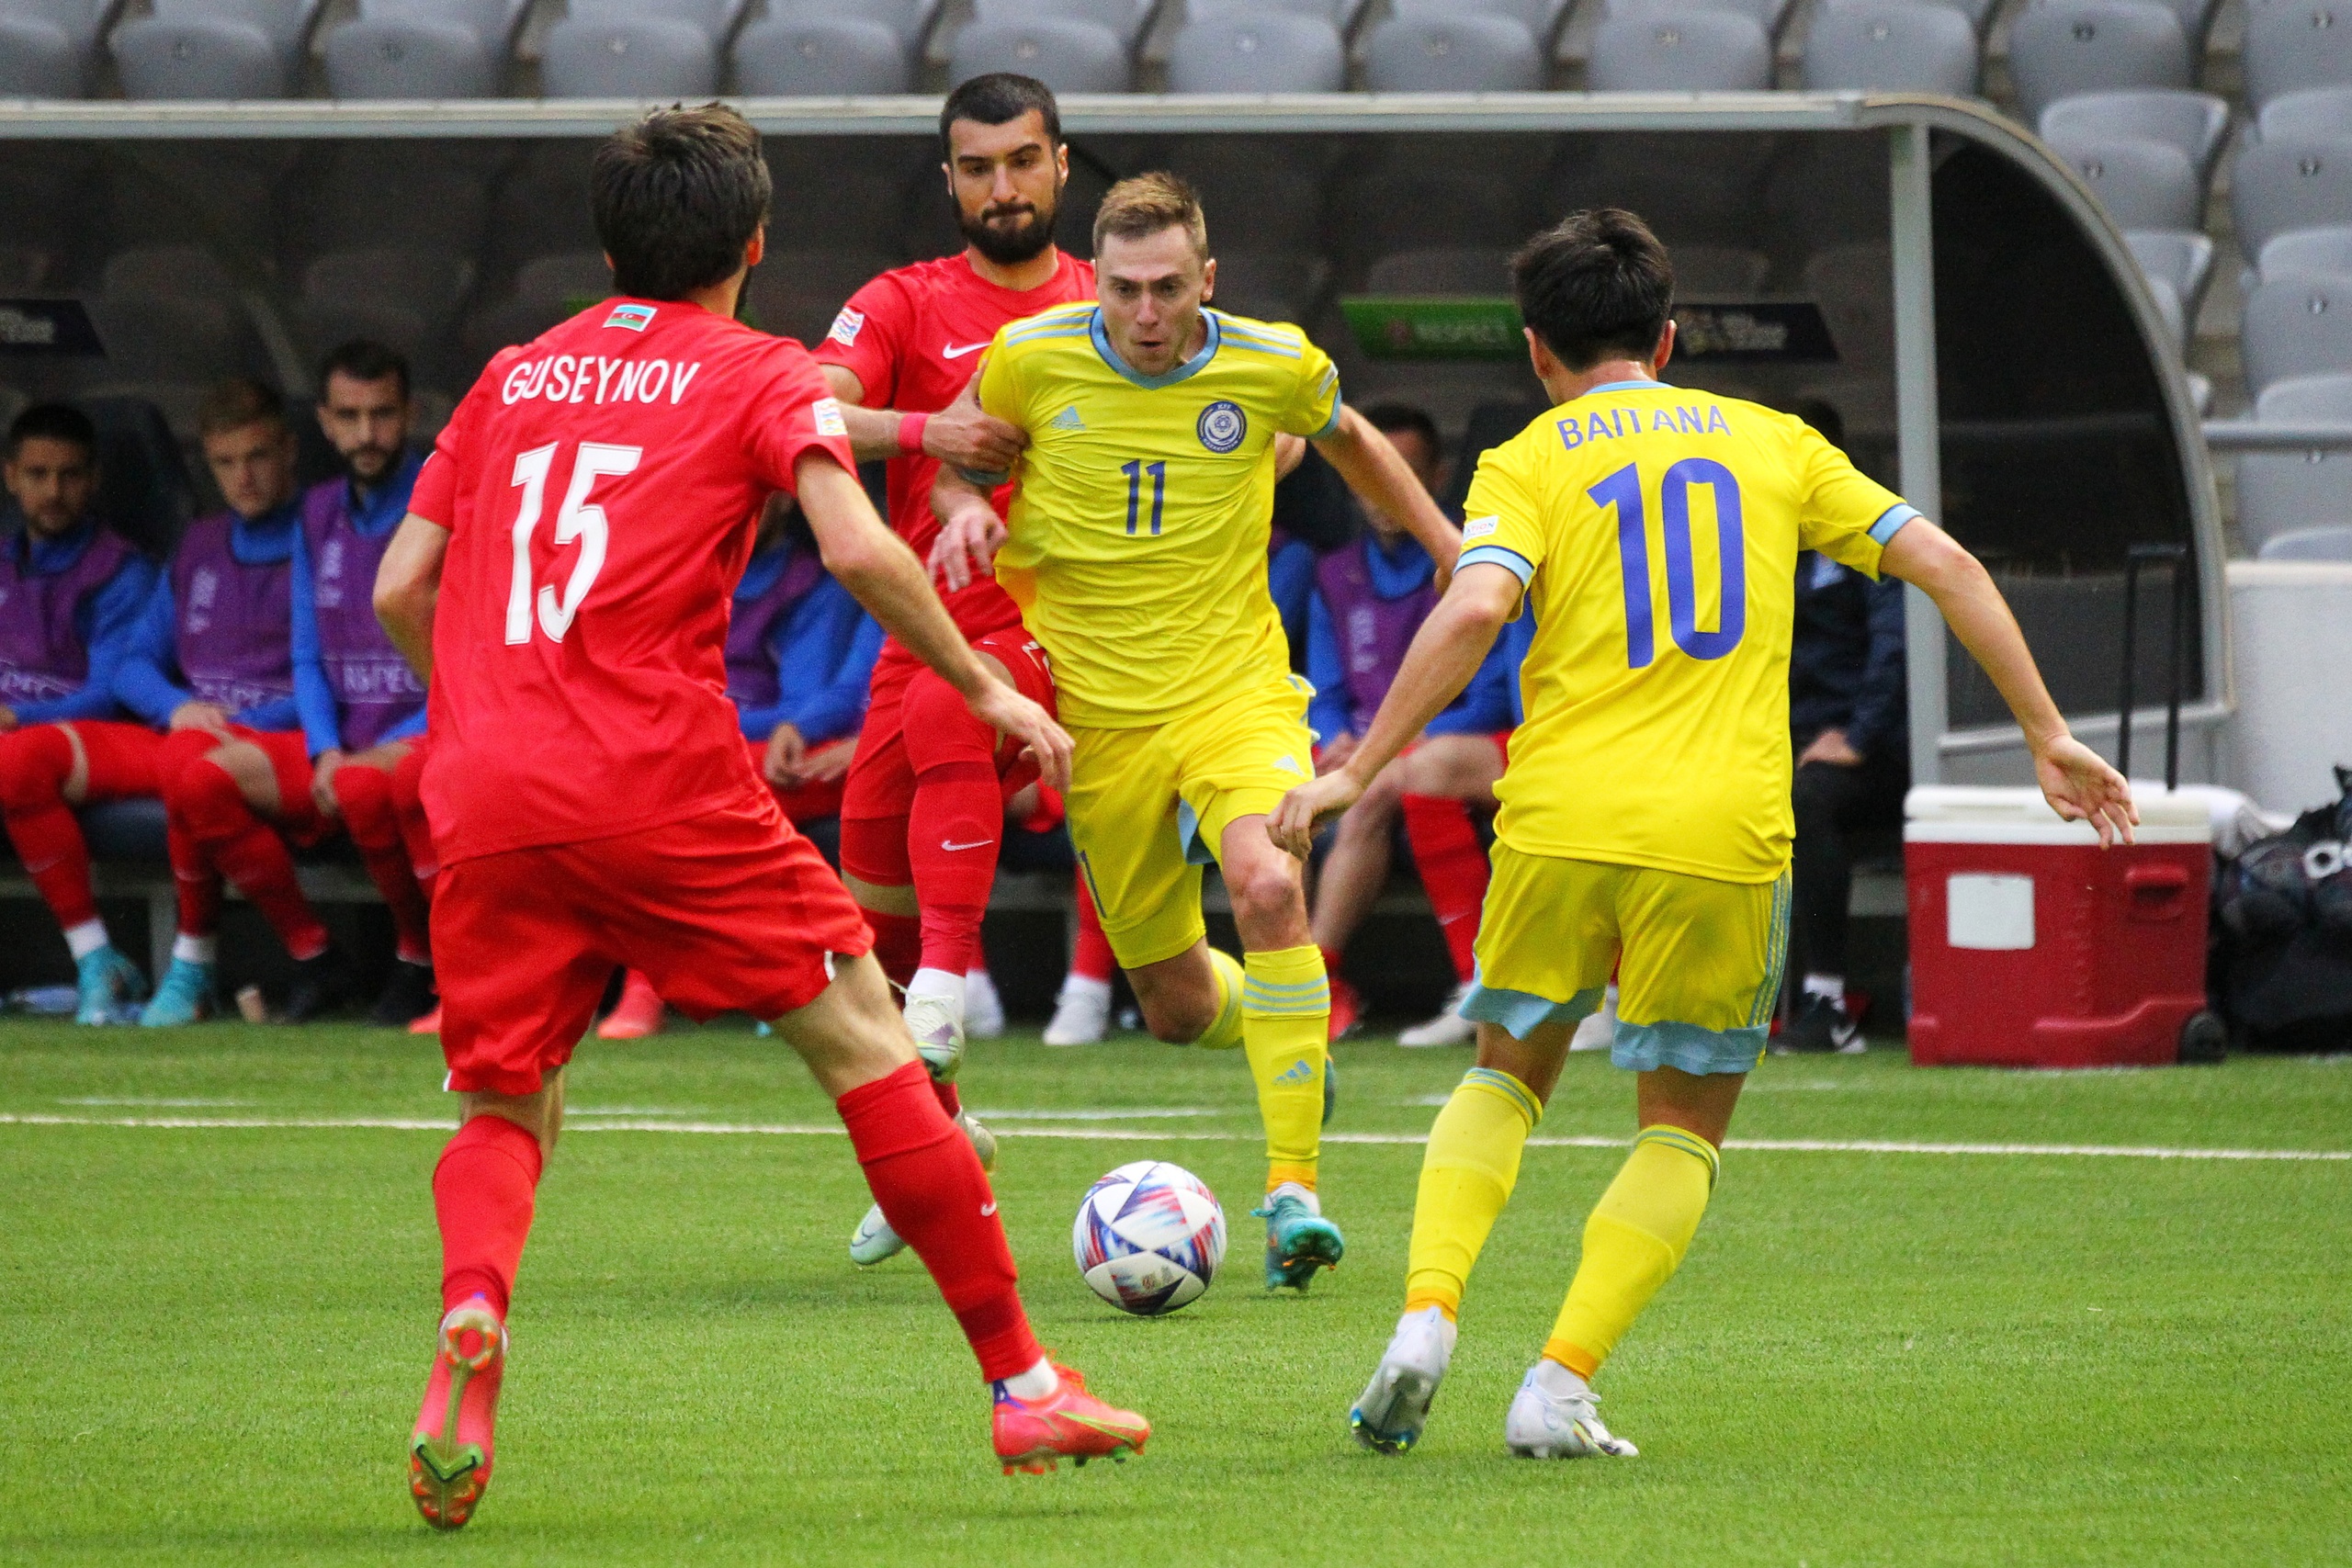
1918	269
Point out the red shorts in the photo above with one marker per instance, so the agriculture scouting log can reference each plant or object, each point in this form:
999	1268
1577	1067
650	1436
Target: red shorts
726	912
882	781
810	802
296	815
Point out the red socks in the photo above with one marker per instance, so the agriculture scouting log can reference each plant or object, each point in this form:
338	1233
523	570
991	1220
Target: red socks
364	797
1091	958
482	1191
957	824
204	805
34	765
934	1194
1454	870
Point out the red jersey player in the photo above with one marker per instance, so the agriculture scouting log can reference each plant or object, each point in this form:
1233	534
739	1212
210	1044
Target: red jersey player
563	579
924	810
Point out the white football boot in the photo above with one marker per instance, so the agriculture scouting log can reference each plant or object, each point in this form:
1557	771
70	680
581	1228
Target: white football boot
1393	1407
1081	1013
874	1241
1598	1032
1448	1028
1551	1417
983	1008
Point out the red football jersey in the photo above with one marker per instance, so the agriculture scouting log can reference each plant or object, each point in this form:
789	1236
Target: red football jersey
601	486
912	337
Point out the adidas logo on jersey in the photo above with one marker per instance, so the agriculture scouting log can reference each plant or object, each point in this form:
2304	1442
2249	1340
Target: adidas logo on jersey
1068	419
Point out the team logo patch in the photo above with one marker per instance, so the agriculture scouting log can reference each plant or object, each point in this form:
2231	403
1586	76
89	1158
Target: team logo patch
829	417
846	326
1222	426
636	317
1479	527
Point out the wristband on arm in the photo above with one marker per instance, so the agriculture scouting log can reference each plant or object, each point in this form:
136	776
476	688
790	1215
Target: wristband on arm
910	428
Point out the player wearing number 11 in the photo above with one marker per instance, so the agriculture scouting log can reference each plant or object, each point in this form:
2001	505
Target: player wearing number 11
1652	530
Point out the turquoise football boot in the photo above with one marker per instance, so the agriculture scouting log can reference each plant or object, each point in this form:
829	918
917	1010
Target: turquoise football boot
1299	1242
108	984
185	997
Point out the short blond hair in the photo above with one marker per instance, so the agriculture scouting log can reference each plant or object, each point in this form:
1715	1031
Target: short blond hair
1138	208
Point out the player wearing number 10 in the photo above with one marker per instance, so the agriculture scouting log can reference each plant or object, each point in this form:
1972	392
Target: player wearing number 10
1652	532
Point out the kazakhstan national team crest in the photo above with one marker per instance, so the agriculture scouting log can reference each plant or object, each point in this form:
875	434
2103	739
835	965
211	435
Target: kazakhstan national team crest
1222	426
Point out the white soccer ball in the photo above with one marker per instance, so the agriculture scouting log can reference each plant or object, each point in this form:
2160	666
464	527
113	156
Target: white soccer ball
1149	1237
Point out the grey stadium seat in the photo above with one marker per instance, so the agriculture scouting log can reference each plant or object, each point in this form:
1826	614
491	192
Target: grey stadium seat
2143	185
79	20
1542	19
645	59
807	57
1068	56
2058	48
40	60
199	59
2311	544
1268	51
2325	251
1890	46
428	281
2183	258
1457	54
1123	18
1767	14
1718	272
907	19
2194	122
1440	270
393	57
2278	492
2296	326
2294	44
1272	286
2313	111
492	21
716	19
2168	309
287	22
1688	52
2290	182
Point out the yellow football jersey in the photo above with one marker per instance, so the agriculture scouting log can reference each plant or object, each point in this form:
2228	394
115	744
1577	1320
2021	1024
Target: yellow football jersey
1138	542
1656	531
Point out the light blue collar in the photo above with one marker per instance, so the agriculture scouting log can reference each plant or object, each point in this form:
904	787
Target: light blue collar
1183	372
1628	387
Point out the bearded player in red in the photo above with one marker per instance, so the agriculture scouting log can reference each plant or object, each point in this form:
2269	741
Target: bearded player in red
923	814
563	577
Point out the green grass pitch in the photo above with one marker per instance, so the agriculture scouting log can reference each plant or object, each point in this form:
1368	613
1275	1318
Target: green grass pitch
212	1338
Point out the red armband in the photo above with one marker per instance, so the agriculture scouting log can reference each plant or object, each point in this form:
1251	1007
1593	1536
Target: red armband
910	426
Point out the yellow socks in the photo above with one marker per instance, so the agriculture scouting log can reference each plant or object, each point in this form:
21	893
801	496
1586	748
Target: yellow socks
1466	1178
1631	1244
1225	1034
1286	1027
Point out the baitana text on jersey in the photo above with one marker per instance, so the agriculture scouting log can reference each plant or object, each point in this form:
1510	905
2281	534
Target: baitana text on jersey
593	378
1604	424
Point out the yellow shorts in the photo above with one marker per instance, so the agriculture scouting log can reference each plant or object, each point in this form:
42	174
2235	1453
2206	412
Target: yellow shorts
1698	960
1148	808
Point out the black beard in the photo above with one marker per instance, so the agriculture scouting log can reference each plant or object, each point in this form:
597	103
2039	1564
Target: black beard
1009	247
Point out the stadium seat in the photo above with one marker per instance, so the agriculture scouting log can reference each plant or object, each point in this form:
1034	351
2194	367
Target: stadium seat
2309	544
1340	13
2290	182
908	19
1278	206
492	21
2143	185
1542	19
207	59
2324	251
1769	14
2182	258
1265	51
1453	54
547	289
393	57
1854	287
2194	122
1069	56
2196	19
40	60
807	57
716	19
798	293
430	282
2291	45
1122	17
2296	326
2313	111
2058	48
1425	208
287	22
1718	272
1271	285
1689	51
1900	46
645	59
2168	309
1437	270
2278	492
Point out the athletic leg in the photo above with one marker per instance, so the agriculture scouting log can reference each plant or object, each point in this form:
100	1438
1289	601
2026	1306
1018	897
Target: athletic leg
366	800
1354	870
218	803
1443	778
46	770
1082	1010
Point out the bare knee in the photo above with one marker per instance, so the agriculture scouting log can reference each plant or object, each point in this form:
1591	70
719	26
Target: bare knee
1266	893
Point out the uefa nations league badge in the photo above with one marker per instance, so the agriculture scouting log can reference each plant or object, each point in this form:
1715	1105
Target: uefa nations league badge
1222	426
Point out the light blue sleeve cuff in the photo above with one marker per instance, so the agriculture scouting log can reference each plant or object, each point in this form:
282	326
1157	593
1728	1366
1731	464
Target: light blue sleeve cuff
1891	522
1511	560
1332	424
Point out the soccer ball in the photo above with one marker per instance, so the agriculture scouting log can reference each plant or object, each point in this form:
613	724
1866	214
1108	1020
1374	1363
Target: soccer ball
1149	1237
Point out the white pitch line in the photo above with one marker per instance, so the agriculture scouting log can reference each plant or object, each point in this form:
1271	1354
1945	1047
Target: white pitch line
1141	1134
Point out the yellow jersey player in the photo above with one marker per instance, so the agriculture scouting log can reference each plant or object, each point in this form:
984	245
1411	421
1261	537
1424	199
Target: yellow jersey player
1136	549
1653	532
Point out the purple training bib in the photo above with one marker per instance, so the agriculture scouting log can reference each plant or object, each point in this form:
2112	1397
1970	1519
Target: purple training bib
1373	632
234	639
41	654
372	683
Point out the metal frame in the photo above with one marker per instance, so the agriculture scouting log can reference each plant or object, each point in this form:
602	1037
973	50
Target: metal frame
1912	117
